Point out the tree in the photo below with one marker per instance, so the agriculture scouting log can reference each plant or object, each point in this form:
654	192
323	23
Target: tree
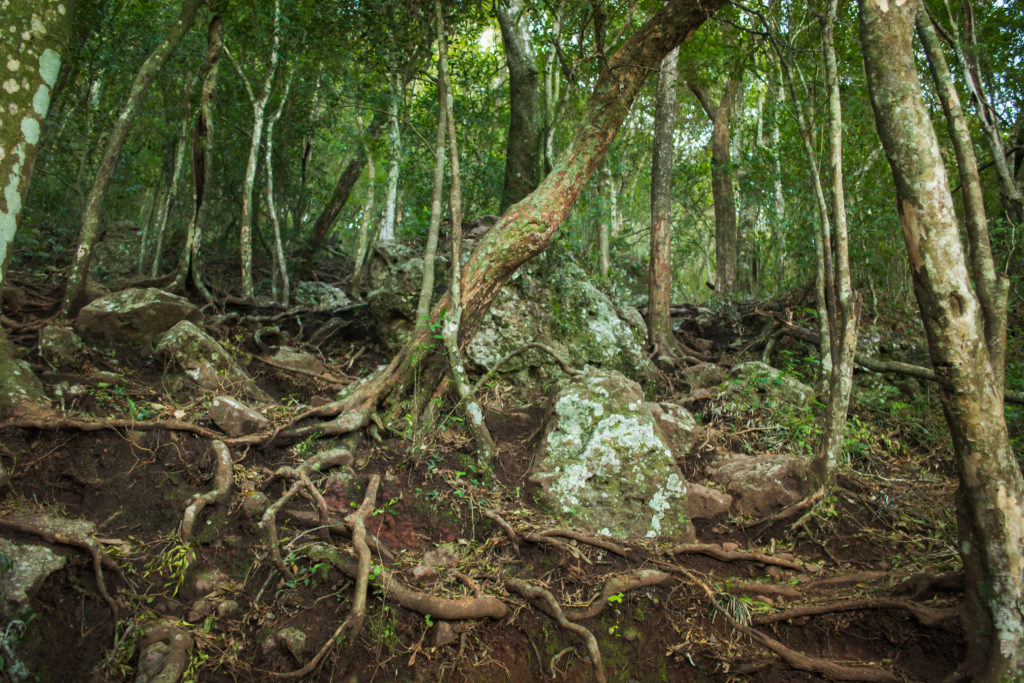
74	295
990	498
32	37
659	287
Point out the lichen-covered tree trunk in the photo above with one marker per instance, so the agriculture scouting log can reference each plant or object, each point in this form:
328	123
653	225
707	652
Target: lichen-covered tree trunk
991	491
844	303
992	290
31	37
524	148
259	108
74	295
283	295
164	210
365	223
434	227
659	287
387	225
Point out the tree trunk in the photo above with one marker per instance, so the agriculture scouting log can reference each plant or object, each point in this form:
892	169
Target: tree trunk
387	226
190	266
659	324
259	107
524	151
280	263
846	306
992	290
365	224
722	192
32	35
74	296
991	491
164	212
430	252
342	189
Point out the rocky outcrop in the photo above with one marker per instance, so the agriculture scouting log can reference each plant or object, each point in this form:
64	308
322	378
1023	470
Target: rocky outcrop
604	464
761	484
320	296
236	418
134	315
205	362
771	383
59	345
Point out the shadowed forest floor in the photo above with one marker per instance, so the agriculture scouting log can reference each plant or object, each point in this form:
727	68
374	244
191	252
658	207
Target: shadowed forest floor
868	579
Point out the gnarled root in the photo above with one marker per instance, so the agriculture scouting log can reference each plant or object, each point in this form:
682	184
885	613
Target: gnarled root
719	553
164	653
220	493
928	616
550	606
616	585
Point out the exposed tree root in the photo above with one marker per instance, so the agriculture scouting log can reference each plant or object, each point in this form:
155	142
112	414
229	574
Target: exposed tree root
718	553
928	616
90	545
787	512
798	660
550	607
566	368
588	539
923	586
311	519
447	609
163	653
71	423
509	531
220	493
639	578
354	621
769	590
325	377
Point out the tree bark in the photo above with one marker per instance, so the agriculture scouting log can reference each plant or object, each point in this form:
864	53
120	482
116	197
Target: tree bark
32	35
342	189
991	289
523	151
259	107
659	286
430	251
365	224
991	492
190	266
164	211
74	296
280	263
387	225
722	192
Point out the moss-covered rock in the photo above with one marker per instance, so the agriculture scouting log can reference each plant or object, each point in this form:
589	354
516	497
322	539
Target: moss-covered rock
604	464
764	379
134	315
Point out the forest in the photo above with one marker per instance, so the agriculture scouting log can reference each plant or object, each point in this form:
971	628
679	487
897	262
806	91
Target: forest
630	340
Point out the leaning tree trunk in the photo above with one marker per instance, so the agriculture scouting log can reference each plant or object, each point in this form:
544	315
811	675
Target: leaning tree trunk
523	151
528	227
659	287
991	491
30	38
74	295
434	227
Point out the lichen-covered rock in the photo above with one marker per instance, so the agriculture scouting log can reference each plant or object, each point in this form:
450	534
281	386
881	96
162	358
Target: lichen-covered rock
557	305
763	378
678	426
236	418
761	484
29	567
704	375
604	464
395	279
134	315
294	641
116	252
59	345
205	362
21	392
320	295
300	361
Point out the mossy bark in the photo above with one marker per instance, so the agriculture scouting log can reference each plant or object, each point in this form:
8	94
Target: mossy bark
991	491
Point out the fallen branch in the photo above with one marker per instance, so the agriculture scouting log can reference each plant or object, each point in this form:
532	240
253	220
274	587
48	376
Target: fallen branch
719	553
72	423
551	608
617	585
220	493
928	616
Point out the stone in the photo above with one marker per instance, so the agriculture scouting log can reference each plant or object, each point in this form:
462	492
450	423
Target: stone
115	255
199	610
300	361
134	315
704	375
29	567
320	296
604	465
205	362
677	425
422	573
444	634
254	504
59	345
228	609
294	640
444	555
208	580
236	418
704	502
760	485
770	382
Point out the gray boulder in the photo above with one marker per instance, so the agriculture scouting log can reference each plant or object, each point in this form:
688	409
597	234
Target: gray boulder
761	484
205	362
772	383
116	252
59	345
134	315
29	567
604	464
320	295
236	418
678	426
